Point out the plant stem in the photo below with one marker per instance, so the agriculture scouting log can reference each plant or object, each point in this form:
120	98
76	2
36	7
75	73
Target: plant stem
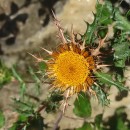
58	121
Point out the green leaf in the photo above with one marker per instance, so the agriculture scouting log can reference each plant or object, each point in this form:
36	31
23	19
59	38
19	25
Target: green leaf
104	13
42	66
16	75
86	126
23	107
5	74
22	117
121	121
53	101
128	13
21	81
122	22
102	32
101	95
23	89
121	53
89	37
34	76
13	127
82	106
98	121
2	119
120	63
36	79
107	79
37	123
121	125
103	16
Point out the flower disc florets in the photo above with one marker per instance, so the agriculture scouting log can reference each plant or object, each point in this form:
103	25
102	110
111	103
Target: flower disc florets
71	68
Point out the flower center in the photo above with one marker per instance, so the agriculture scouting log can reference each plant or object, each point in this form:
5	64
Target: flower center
71	68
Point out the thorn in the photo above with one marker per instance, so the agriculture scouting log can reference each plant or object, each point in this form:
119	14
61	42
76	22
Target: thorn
57	23
93	76
38	59
72	35
59	37
83	45
92	92
49	52
100	66
66	99
68	40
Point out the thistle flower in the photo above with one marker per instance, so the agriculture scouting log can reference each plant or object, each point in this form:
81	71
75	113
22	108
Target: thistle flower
72	64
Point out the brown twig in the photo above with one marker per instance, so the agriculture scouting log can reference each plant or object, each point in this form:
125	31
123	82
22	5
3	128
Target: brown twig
63	110
66	99
57	23
58	121
73	118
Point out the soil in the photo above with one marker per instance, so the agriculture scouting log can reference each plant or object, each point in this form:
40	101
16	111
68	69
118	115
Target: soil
27	26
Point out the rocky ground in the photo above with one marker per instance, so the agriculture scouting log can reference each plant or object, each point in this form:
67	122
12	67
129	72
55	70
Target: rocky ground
25	26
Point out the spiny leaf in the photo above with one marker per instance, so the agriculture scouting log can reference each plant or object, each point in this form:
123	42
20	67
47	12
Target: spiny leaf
104	13
122	22
107	79
103	17
121	53
101	95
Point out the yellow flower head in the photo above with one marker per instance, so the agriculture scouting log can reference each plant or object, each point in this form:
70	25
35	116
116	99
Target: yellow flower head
71	68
